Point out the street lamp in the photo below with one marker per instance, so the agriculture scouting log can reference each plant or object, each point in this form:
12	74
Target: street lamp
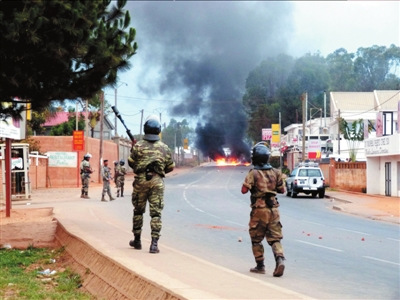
115	93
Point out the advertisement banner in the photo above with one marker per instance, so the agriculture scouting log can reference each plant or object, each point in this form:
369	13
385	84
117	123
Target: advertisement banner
276	133
266	134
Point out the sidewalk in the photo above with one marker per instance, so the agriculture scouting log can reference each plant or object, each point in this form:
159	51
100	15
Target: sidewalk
375	207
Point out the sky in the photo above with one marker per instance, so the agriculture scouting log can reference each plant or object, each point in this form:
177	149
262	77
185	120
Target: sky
194	57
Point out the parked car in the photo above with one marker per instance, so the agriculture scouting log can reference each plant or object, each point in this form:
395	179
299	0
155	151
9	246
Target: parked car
306	178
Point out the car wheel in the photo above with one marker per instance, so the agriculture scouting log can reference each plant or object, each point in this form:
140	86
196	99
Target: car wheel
288	192
321	194
314	195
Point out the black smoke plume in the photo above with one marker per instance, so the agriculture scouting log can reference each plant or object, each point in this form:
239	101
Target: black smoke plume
202	52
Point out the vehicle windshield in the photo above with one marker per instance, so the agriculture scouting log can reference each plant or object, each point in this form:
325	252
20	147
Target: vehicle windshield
310	173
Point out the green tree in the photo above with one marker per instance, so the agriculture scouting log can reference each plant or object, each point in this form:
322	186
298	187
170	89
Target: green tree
175	132
56	50
67	128
341	71
353	133
373	66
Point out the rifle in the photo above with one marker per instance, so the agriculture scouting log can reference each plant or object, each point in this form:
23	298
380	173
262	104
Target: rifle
128	132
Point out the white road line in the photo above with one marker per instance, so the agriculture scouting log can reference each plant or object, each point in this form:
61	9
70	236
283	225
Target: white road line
235	223
315	223
382	260
391	239
354	231
320	246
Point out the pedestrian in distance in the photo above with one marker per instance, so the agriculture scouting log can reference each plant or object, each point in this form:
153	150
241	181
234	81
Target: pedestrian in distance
86	170
115	172
150	160
264	182
106	174
120	173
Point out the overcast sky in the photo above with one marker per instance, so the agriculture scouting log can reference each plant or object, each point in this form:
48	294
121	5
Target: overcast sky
194	56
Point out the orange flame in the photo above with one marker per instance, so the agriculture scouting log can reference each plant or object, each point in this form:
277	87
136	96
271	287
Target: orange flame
229	162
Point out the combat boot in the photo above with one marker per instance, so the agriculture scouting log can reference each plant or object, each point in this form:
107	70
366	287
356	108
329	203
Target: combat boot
136	243
111	197
86	197
280	266
117	194
122	192
260	268
103	199
154	245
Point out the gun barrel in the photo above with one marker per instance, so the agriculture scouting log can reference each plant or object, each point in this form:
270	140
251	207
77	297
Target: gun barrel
115	110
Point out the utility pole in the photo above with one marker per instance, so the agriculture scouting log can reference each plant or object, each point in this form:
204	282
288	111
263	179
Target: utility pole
86	124
141	123
280	143
115	99
338	131
101	132
303	140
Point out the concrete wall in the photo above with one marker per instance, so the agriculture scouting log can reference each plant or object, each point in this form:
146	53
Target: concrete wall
349	176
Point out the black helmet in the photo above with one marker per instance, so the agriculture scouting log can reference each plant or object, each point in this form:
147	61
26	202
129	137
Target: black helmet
122	162
152	128
260	156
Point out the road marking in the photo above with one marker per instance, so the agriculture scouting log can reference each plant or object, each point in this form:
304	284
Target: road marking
315	223
354	231
382	260
320	246
236	223
391	239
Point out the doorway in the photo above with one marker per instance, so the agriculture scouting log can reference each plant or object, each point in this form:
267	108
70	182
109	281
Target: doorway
388	179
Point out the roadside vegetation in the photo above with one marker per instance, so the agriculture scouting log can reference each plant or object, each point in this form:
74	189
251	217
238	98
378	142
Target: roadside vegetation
38	274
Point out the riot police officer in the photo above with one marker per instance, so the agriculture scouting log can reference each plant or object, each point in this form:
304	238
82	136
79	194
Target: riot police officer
120	173
150	160
86	170
264	182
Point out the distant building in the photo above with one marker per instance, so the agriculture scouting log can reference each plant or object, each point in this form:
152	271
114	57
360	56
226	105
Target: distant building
62	116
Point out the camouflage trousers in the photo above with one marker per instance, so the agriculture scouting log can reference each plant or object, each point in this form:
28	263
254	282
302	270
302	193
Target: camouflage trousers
120	183
151	191
85	185
106	189
265	223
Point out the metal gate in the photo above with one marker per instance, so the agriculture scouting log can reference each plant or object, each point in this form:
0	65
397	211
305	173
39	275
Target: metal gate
388	179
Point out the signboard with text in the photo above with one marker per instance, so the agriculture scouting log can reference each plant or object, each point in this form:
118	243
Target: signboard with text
266	134
62	159
78	140
276	133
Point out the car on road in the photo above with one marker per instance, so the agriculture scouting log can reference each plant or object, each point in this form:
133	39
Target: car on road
306	178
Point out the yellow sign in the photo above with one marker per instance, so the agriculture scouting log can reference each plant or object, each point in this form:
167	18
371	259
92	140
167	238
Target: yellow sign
186	144
276	133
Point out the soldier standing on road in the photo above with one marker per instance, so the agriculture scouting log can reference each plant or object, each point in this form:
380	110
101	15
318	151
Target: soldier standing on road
264	182
120	177
106	174
115	172
86	170
150	160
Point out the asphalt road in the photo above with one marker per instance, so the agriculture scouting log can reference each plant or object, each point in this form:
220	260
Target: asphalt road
329	255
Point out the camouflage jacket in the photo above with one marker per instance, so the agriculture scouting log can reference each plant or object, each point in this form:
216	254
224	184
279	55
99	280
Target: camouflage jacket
145	152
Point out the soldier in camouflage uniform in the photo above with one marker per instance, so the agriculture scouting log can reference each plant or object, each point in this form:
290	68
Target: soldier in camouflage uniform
106	174
120	173
150	160
86	170
264	182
